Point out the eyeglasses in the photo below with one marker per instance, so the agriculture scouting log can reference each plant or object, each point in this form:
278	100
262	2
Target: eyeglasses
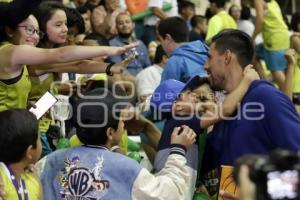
30	31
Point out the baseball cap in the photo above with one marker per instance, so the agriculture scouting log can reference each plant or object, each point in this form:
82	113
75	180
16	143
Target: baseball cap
168	91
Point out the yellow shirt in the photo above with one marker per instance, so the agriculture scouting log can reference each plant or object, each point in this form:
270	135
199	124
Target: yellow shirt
219	22
31	183
275	31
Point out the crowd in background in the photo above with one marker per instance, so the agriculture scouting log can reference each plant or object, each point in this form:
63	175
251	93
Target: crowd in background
185	79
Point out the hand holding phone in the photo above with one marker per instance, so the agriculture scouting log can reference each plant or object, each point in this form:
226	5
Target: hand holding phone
43	105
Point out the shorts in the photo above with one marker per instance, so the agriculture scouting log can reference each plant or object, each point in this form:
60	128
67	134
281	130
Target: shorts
275	60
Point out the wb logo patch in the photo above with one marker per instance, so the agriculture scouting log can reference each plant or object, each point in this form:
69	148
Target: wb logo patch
81	183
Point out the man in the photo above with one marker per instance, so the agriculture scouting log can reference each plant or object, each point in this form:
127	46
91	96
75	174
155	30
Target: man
221	19
266	119
187	11
92	171
125	36
186	60
199	28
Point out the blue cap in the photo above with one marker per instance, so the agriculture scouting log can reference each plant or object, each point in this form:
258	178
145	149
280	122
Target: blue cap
167	92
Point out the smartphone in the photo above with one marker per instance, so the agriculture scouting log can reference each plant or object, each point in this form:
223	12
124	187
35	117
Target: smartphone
43	105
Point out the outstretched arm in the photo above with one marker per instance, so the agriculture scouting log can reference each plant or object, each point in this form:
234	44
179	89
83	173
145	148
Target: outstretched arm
28	55
80	67
259	8
289	80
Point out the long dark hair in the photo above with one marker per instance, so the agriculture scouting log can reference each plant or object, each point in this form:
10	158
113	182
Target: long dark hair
43	14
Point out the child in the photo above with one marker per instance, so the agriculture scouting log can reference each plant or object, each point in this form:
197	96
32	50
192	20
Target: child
92	171
199	28
20	146
182	106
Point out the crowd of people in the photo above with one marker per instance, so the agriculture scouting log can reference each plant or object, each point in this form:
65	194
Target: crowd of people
201	91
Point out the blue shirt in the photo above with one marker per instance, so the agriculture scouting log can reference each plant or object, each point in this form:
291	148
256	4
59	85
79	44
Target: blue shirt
267	120
137	65
186	62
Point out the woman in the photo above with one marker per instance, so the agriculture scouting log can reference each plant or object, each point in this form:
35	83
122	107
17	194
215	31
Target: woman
269	21
18	50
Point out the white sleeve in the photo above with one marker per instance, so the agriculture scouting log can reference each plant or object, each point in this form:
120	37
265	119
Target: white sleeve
155	3
144	82
170	183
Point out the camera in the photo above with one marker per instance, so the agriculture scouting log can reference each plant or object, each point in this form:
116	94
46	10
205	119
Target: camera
276	176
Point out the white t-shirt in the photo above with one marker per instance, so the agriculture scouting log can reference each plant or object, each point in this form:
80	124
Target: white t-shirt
148	80
246	26
152	20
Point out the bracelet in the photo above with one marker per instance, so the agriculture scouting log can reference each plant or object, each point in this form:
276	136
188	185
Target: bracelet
108	68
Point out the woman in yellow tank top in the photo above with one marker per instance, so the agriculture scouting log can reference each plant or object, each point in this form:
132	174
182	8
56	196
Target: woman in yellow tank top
18	50
270	22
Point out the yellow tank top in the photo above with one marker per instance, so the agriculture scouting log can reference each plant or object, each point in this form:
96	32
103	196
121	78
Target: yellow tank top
275	31
296	84
15	95
32	185
219	22
40	85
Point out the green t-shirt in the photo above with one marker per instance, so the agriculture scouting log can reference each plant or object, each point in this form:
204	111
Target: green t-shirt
219	22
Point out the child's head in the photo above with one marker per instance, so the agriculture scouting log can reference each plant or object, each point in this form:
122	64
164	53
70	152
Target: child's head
235	12
86	15
160	56
111	5
52	19
199	22
19	137
295	22
94	39
98	117
246	13
175	97
75	25
215	5
187	9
